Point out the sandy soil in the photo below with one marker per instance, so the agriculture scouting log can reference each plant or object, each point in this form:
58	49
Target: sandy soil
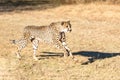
94	41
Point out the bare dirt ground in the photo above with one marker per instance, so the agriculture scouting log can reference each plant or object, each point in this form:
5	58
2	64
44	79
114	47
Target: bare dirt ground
95	43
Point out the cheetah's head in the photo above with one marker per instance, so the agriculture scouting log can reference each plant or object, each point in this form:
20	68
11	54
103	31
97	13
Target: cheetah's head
65	26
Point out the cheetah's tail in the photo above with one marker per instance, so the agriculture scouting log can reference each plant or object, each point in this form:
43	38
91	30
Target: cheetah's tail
13	41
19	41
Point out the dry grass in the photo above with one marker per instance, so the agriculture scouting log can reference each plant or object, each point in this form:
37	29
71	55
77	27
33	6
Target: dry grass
96	31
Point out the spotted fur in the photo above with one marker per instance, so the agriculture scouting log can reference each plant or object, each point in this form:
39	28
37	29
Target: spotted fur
52	34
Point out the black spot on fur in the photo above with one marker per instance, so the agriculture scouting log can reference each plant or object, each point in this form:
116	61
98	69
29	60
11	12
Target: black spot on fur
32	39
13	41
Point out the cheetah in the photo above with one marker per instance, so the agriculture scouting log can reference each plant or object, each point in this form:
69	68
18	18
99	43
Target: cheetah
51	34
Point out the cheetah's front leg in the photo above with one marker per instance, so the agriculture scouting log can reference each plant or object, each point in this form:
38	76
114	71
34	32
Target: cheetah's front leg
61	43
67	49
62	39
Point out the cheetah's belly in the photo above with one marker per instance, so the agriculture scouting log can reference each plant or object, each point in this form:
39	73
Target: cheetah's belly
45	37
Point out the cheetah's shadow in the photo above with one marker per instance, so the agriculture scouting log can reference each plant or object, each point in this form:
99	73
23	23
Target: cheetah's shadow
93	55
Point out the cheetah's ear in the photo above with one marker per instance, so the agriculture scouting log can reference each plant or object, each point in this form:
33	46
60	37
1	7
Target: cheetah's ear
62	23
68	21
51	24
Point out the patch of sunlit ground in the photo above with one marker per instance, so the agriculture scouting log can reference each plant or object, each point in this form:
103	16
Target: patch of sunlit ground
95	32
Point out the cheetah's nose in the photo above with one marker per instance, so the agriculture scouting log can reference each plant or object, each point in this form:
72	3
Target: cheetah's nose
70	30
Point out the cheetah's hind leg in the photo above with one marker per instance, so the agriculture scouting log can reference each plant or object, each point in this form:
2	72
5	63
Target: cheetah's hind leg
35	47
21	43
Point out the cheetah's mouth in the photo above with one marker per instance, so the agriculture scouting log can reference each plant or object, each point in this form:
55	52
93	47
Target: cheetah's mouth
69	30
